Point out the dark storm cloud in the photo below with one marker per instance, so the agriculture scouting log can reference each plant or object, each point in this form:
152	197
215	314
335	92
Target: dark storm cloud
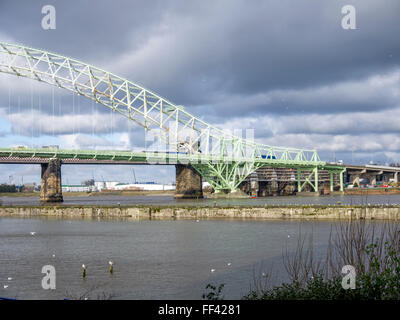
375	93
85	29
285	68
245	50
193	52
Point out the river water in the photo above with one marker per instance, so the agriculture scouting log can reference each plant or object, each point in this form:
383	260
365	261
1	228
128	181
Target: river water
168	200
161	259
158	259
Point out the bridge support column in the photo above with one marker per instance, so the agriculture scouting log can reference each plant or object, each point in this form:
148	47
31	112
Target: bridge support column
386	178
188	182
51	190
355	178
341	180
254	185
298	180
372	179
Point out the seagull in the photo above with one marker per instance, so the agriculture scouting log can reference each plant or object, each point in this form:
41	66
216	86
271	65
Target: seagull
197	220
33	233
53	255
229	263
9	278
288	236
212	270
5	286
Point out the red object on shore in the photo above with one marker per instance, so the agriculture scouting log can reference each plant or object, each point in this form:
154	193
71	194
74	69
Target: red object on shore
254	197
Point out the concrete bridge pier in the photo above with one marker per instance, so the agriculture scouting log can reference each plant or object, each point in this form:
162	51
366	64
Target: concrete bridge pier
386	177
355	178
51	190
254	184
188	182
372	179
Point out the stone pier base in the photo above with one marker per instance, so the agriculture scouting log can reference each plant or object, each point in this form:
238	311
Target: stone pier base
308	193
188	182
51	190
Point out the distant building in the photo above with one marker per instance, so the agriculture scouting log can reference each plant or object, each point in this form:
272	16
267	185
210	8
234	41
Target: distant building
114	185
99	185
29	187
51	147
77	188
109	185
144	186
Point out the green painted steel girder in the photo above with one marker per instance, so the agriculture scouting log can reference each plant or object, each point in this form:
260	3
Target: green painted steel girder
223	175
223	159
158	158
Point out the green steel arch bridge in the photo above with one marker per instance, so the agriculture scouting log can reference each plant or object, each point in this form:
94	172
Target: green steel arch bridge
222	159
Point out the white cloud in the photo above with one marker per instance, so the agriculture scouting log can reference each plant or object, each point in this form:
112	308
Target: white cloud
86	142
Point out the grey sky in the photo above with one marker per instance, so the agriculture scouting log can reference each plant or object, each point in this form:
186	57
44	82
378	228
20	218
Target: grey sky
285	68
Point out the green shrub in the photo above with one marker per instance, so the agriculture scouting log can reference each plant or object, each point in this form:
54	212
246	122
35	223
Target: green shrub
214	293
8	188
380	280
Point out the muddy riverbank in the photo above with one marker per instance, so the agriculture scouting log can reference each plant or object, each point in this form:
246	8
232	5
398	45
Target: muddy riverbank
372	191
152	212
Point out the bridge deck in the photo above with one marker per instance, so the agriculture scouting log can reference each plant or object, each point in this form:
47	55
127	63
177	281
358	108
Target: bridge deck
37	156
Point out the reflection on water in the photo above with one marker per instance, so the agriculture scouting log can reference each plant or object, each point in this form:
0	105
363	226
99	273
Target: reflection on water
168	200
153	259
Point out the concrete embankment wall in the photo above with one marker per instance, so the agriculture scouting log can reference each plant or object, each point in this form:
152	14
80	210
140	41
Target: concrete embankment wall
300	212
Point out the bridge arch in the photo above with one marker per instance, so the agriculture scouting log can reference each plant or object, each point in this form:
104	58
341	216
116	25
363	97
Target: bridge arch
226	159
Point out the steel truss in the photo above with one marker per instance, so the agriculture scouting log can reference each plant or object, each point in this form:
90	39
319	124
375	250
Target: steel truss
230	158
